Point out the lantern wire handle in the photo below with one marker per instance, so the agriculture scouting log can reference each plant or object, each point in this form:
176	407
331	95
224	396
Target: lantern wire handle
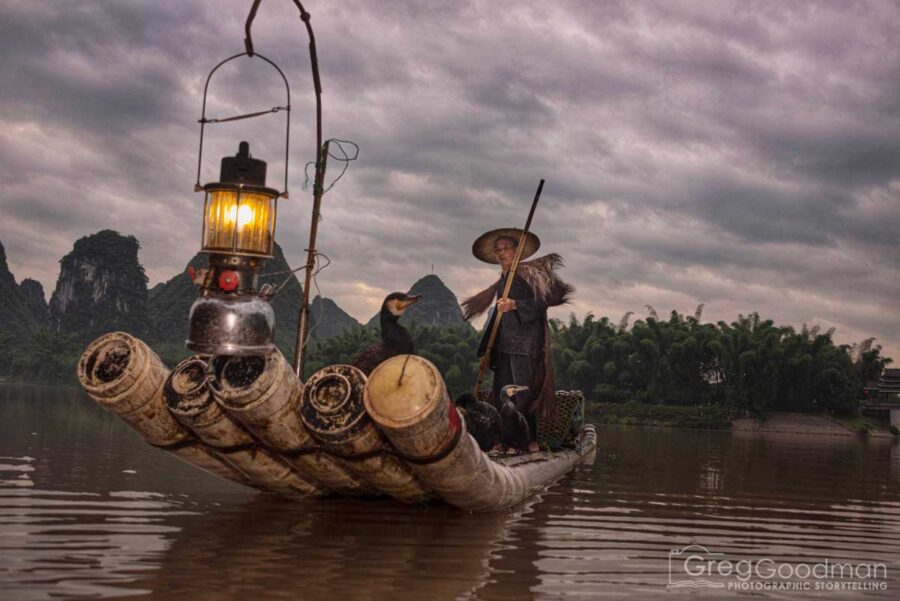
287	108
321	160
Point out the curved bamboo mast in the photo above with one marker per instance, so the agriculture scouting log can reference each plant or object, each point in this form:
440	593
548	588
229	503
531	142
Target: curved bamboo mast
303	318
486	358
318	185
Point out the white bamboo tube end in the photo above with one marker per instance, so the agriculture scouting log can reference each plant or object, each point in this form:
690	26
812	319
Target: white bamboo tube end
394	401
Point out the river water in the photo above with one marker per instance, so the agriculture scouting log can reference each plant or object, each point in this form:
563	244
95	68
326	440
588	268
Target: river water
87	509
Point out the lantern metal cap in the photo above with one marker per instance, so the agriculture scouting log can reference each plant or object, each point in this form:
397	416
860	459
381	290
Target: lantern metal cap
242	168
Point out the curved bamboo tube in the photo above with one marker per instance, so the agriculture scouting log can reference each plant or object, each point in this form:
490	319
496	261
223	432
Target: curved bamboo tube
187	395
263	393
126	377
333	412
407	398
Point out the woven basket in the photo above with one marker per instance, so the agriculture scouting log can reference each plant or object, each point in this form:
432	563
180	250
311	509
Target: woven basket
555	432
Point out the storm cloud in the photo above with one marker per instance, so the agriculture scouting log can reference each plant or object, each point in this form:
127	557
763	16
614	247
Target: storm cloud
741	155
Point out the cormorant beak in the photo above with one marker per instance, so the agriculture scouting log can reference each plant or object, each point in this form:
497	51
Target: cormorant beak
511	390
404	304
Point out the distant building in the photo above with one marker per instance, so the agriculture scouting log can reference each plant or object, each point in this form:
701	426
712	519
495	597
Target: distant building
881	399
889	385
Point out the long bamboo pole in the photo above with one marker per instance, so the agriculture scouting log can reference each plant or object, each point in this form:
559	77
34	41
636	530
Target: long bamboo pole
303	318
486	358
318	189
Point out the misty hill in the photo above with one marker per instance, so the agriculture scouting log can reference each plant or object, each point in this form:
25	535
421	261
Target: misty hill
328	319
101	288
33	293
170	304
16	318
439	306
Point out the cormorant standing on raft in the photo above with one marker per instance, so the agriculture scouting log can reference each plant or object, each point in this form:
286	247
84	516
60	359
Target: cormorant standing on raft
395	340
515	433
482	420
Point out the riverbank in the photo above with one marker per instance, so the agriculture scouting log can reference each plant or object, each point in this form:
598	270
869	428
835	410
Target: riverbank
808	423
667	416
717	418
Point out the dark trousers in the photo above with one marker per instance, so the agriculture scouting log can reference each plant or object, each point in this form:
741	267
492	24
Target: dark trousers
518	370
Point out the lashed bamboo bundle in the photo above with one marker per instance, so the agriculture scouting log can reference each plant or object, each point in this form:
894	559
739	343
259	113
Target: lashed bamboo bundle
263	394
333	412
126	377
407	398
187	396
332	440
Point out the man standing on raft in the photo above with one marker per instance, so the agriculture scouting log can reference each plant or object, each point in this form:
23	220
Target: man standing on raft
521	353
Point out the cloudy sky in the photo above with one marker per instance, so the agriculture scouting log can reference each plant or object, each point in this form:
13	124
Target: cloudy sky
744	155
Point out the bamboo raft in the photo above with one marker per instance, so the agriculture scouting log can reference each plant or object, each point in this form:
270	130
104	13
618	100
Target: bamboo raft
251	420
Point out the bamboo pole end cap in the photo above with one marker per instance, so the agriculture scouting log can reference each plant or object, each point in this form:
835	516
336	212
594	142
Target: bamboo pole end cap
106	361
402	390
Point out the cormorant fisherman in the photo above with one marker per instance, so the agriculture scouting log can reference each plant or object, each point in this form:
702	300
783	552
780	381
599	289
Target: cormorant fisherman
521	353
395	340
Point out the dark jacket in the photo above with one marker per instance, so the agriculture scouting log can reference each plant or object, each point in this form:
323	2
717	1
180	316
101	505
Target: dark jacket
522	330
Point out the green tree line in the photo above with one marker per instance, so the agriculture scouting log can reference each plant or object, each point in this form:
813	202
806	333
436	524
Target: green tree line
749	366
46	358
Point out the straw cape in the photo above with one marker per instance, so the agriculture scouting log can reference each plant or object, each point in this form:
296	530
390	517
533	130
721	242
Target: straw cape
541	275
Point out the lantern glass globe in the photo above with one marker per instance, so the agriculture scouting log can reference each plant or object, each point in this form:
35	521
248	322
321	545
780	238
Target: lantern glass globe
239	221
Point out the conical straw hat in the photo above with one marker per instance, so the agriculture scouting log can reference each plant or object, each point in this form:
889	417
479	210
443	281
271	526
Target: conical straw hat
483	248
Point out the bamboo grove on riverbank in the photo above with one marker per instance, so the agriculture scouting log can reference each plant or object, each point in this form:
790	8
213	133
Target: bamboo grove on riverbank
750	366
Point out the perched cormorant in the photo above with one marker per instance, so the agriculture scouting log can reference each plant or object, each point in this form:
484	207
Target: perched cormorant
482	420
395	340
514	430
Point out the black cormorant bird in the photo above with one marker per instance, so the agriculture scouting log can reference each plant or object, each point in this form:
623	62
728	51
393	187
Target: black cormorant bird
482	420
514	430
395	340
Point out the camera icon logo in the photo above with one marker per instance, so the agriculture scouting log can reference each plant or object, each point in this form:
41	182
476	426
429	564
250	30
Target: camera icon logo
694	566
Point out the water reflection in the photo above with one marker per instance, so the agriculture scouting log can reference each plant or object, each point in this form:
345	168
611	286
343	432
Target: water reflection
168	530
69	544
344	549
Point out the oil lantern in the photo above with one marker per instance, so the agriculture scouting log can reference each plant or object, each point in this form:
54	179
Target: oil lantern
232	314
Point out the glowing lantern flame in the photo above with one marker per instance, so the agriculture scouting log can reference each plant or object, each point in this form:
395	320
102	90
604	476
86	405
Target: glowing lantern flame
244	226
244	215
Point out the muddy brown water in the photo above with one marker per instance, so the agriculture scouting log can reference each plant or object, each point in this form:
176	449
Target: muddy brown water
89	510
